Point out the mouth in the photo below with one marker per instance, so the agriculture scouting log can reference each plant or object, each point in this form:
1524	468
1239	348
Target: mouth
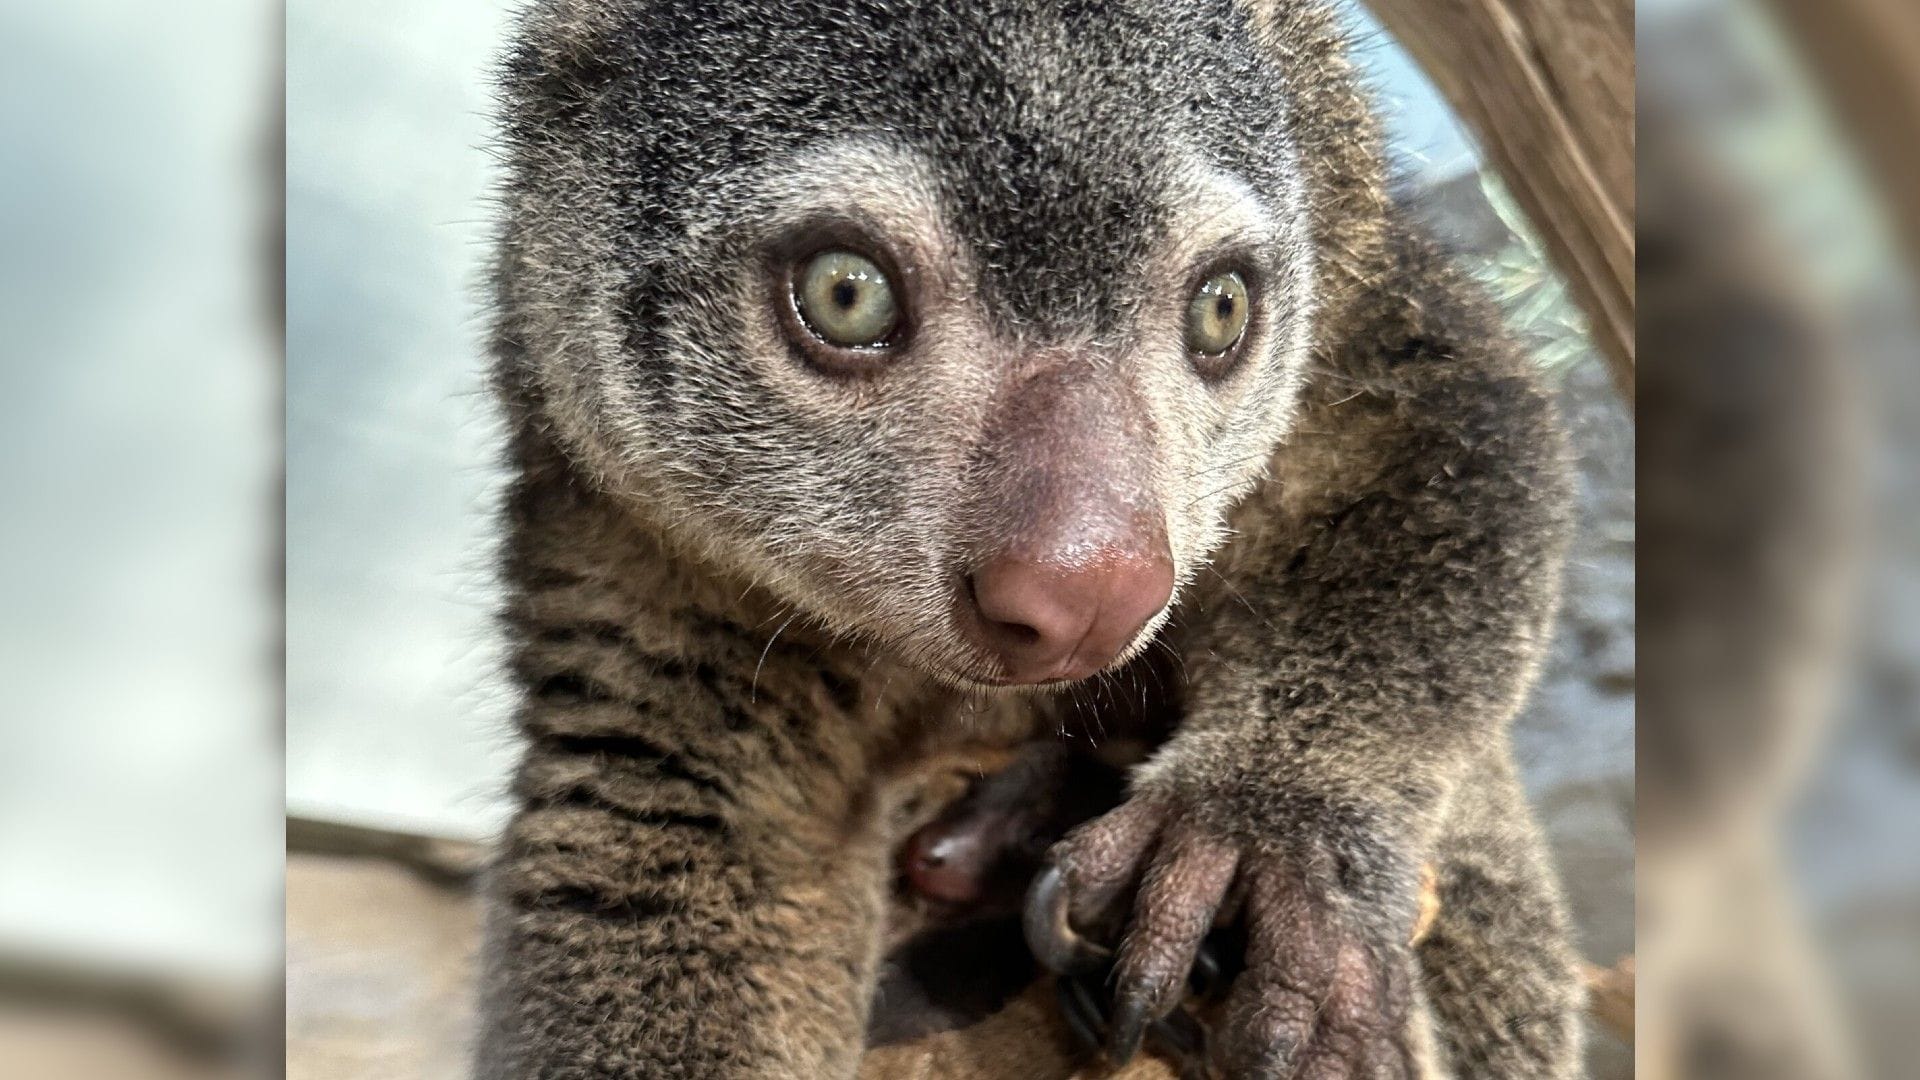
1001	685
1033	684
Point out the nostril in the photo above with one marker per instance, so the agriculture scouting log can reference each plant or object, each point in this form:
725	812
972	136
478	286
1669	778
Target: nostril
1013	632
1020	634
1043	620
1030	615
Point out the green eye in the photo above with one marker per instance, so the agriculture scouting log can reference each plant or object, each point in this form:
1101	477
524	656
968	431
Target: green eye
846	300
1217	315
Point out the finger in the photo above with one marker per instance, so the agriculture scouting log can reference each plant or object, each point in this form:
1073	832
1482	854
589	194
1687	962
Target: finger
1273	1007
1374	996
1363	1025
1102	859
1172	913
1331	1057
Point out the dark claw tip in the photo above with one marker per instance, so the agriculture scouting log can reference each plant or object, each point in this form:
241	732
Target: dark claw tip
1082	1011
1129	1024
1182	1037
1053	940
1204	979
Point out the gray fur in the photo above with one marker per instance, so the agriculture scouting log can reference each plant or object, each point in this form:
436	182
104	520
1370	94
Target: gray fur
731	574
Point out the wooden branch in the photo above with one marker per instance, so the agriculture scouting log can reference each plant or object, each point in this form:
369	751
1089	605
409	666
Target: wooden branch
1547	87
442	861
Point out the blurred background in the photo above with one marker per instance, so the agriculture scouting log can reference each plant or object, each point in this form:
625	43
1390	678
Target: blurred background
139	475
141	841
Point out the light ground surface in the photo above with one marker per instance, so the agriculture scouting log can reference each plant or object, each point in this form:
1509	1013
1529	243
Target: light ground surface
379	972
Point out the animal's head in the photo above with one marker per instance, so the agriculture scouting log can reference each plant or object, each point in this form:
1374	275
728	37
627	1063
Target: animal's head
959	325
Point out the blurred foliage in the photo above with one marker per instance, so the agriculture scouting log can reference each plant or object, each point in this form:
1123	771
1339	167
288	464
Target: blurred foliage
1538	305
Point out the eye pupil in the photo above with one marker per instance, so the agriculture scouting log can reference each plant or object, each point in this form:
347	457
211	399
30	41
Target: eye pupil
1217	315
845	300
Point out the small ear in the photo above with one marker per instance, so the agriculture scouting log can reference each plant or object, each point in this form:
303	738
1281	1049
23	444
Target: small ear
579	20
563	53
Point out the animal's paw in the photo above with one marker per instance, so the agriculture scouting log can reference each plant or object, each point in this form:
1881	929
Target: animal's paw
1325	972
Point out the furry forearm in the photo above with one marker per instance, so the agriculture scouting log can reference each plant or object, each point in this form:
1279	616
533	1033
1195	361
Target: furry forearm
645	908
1381	620
689	809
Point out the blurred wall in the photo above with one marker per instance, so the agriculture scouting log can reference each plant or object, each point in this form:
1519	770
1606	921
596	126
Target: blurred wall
138	502
390	435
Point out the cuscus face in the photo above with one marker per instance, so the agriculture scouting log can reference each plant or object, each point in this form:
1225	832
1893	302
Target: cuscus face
959	326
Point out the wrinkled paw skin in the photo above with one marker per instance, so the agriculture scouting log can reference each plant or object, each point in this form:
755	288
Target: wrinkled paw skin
1323	989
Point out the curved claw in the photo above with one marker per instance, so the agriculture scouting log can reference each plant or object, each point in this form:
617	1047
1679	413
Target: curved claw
1088	1012
1182	1038
1055	944
1084	1014
1205	977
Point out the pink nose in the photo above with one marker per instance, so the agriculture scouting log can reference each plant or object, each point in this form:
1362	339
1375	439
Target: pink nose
1047	621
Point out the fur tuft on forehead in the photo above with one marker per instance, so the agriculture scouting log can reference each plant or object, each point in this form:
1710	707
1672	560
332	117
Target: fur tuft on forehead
1052	125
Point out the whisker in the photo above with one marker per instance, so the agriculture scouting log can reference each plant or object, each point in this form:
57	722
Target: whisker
753	691
1243	600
